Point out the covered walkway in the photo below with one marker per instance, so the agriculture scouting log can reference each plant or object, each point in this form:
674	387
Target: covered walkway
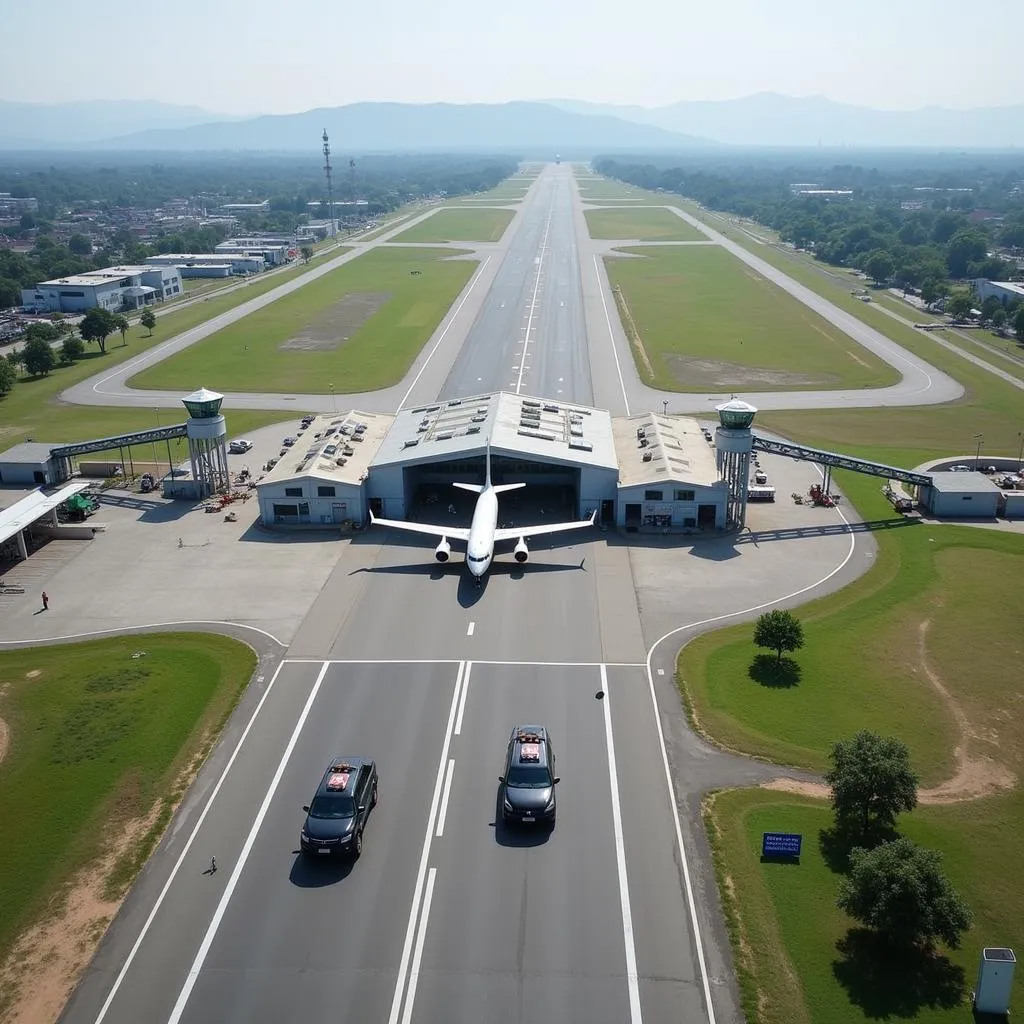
22	514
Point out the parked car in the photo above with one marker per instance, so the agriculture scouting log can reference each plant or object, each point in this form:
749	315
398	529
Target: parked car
289	441
239	446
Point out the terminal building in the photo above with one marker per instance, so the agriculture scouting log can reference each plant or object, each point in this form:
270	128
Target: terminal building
637	473
116	289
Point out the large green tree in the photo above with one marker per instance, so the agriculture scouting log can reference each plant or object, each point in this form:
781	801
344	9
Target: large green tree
879	266
38	357
899	890
71	348
871	781
8	376
779	631
97	325
80	245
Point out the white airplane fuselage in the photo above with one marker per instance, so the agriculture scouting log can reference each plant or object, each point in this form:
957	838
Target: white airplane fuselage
480	546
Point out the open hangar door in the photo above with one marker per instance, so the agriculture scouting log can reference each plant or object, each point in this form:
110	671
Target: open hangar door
551	493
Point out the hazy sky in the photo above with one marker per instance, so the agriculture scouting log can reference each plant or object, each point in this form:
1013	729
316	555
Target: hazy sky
278	56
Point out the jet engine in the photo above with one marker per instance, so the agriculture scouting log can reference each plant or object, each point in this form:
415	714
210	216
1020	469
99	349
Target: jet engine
521	552
444	550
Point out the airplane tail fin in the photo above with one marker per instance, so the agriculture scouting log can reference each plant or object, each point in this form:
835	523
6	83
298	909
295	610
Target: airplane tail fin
507	487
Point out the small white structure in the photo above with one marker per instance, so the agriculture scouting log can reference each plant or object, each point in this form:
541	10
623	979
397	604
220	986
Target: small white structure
961	495
667	475
321	480
995	980
115	289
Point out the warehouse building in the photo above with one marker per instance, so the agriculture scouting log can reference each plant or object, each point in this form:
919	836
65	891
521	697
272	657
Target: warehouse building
564	452
272	253
321	480
209	264
30	463
961	496
116	289
668	478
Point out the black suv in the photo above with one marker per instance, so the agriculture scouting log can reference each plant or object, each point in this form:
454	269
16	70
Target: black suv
337	816
528	785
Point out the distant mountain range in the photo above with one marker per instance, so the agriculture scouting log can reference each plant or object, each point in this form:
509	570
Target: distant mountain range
769	119
574	128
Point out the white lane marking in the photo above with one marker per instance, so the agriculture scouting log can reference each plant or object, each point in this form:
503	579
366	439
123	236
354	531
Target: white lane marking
184	853
448	326
218	914
611	333
698	941
469	631
130	630
536	288
462	699
442	817
414	975
635	1016
403	966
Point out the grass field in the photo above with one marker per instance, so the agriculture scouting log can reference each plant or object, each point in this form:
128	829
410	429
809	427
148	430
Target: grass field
97	739
33	409
606	189
506	192
643	224
361	327
866	664
459	226
708	323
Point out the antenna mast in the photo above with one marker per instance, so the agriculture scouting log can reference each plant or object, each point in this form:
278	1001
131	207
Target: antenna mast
330	190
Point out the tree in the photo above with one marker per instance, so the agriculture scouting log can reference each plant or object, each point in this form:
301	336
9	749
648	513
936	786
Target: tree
1018	323
42	330
80	245
8	377
307	253
871	781
959	304
965	247
27	222
880	266
148	320
97	325
38	357
932	289
121	323
779	631
999	318
71	348
899	889
10	292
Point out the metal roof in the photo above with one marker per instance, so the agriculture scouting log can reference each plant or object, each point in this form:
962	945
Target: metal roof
340	441
963	483
669	448
28	453
533	428
25	512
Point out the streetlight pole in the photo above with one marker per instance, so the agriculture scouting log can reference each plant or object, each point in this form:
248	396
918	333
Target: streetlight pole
980	438
665	404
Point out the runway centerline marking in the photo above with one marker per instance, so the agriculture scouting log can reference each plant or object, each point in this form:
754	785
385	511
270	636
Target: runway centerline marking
417	897
443	816
469	631
536	288
462	699
218	914
635	1015
476	661
184	853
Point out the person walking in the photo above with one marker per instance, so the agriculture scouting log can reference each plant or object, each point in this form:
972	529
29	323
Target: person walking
46	602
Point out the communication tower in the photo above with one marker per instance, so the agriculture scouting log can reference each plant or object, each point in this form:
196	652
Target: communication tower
733	444
207	434
330	189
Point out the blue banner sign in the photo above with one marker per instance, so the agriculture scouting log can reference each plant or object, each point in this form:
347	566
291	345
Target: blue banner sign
781	844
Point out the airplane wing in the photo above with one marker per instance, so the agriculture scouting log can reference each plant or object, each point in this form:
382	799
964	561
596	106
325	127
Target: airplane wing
438	532
536	531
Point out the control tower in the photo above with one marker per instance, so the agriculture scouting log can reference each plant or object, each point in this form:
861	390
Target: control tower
207	434
733	444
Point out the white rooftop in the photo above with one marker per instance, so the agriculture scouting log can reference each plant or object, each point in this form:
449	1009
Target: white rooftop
675	444
333	448
963	483
532	427
25	512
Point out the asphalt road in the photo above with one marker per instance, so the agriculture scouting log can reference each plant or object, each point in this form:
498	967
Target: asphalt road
529	335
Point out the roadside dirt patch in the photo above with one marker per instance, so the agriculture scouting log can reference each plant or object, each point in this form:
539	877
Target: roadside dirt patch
698	374
4	735
818	790
337	324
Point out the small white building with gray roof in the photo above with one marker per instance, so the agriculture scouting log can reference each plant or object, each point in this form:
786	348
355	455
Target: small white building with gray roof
668	477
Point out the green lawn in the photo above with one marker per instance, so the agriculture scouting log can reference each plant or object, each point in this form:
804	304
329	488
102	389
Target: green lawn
861	667
607	189
706	322
33	409
98	739
459	226
412	290
802	961
643	224
505	192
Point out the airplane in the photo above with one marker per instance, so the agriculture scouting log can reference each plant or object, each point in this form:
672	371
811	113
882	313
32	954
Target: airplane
483	532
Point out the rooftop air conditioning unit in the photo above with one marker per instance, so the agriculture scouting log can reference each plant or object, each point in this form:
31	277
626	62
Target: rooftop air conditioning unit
647	456
340	462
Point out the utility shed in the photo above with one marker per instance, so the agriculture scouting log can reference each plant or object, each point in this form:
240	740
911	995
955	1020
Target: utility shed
961	495
321	481
668	478
30	463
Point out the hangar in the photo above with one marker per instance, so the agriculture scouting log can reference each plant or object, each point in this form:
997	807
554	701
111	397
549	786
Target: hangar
565	452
